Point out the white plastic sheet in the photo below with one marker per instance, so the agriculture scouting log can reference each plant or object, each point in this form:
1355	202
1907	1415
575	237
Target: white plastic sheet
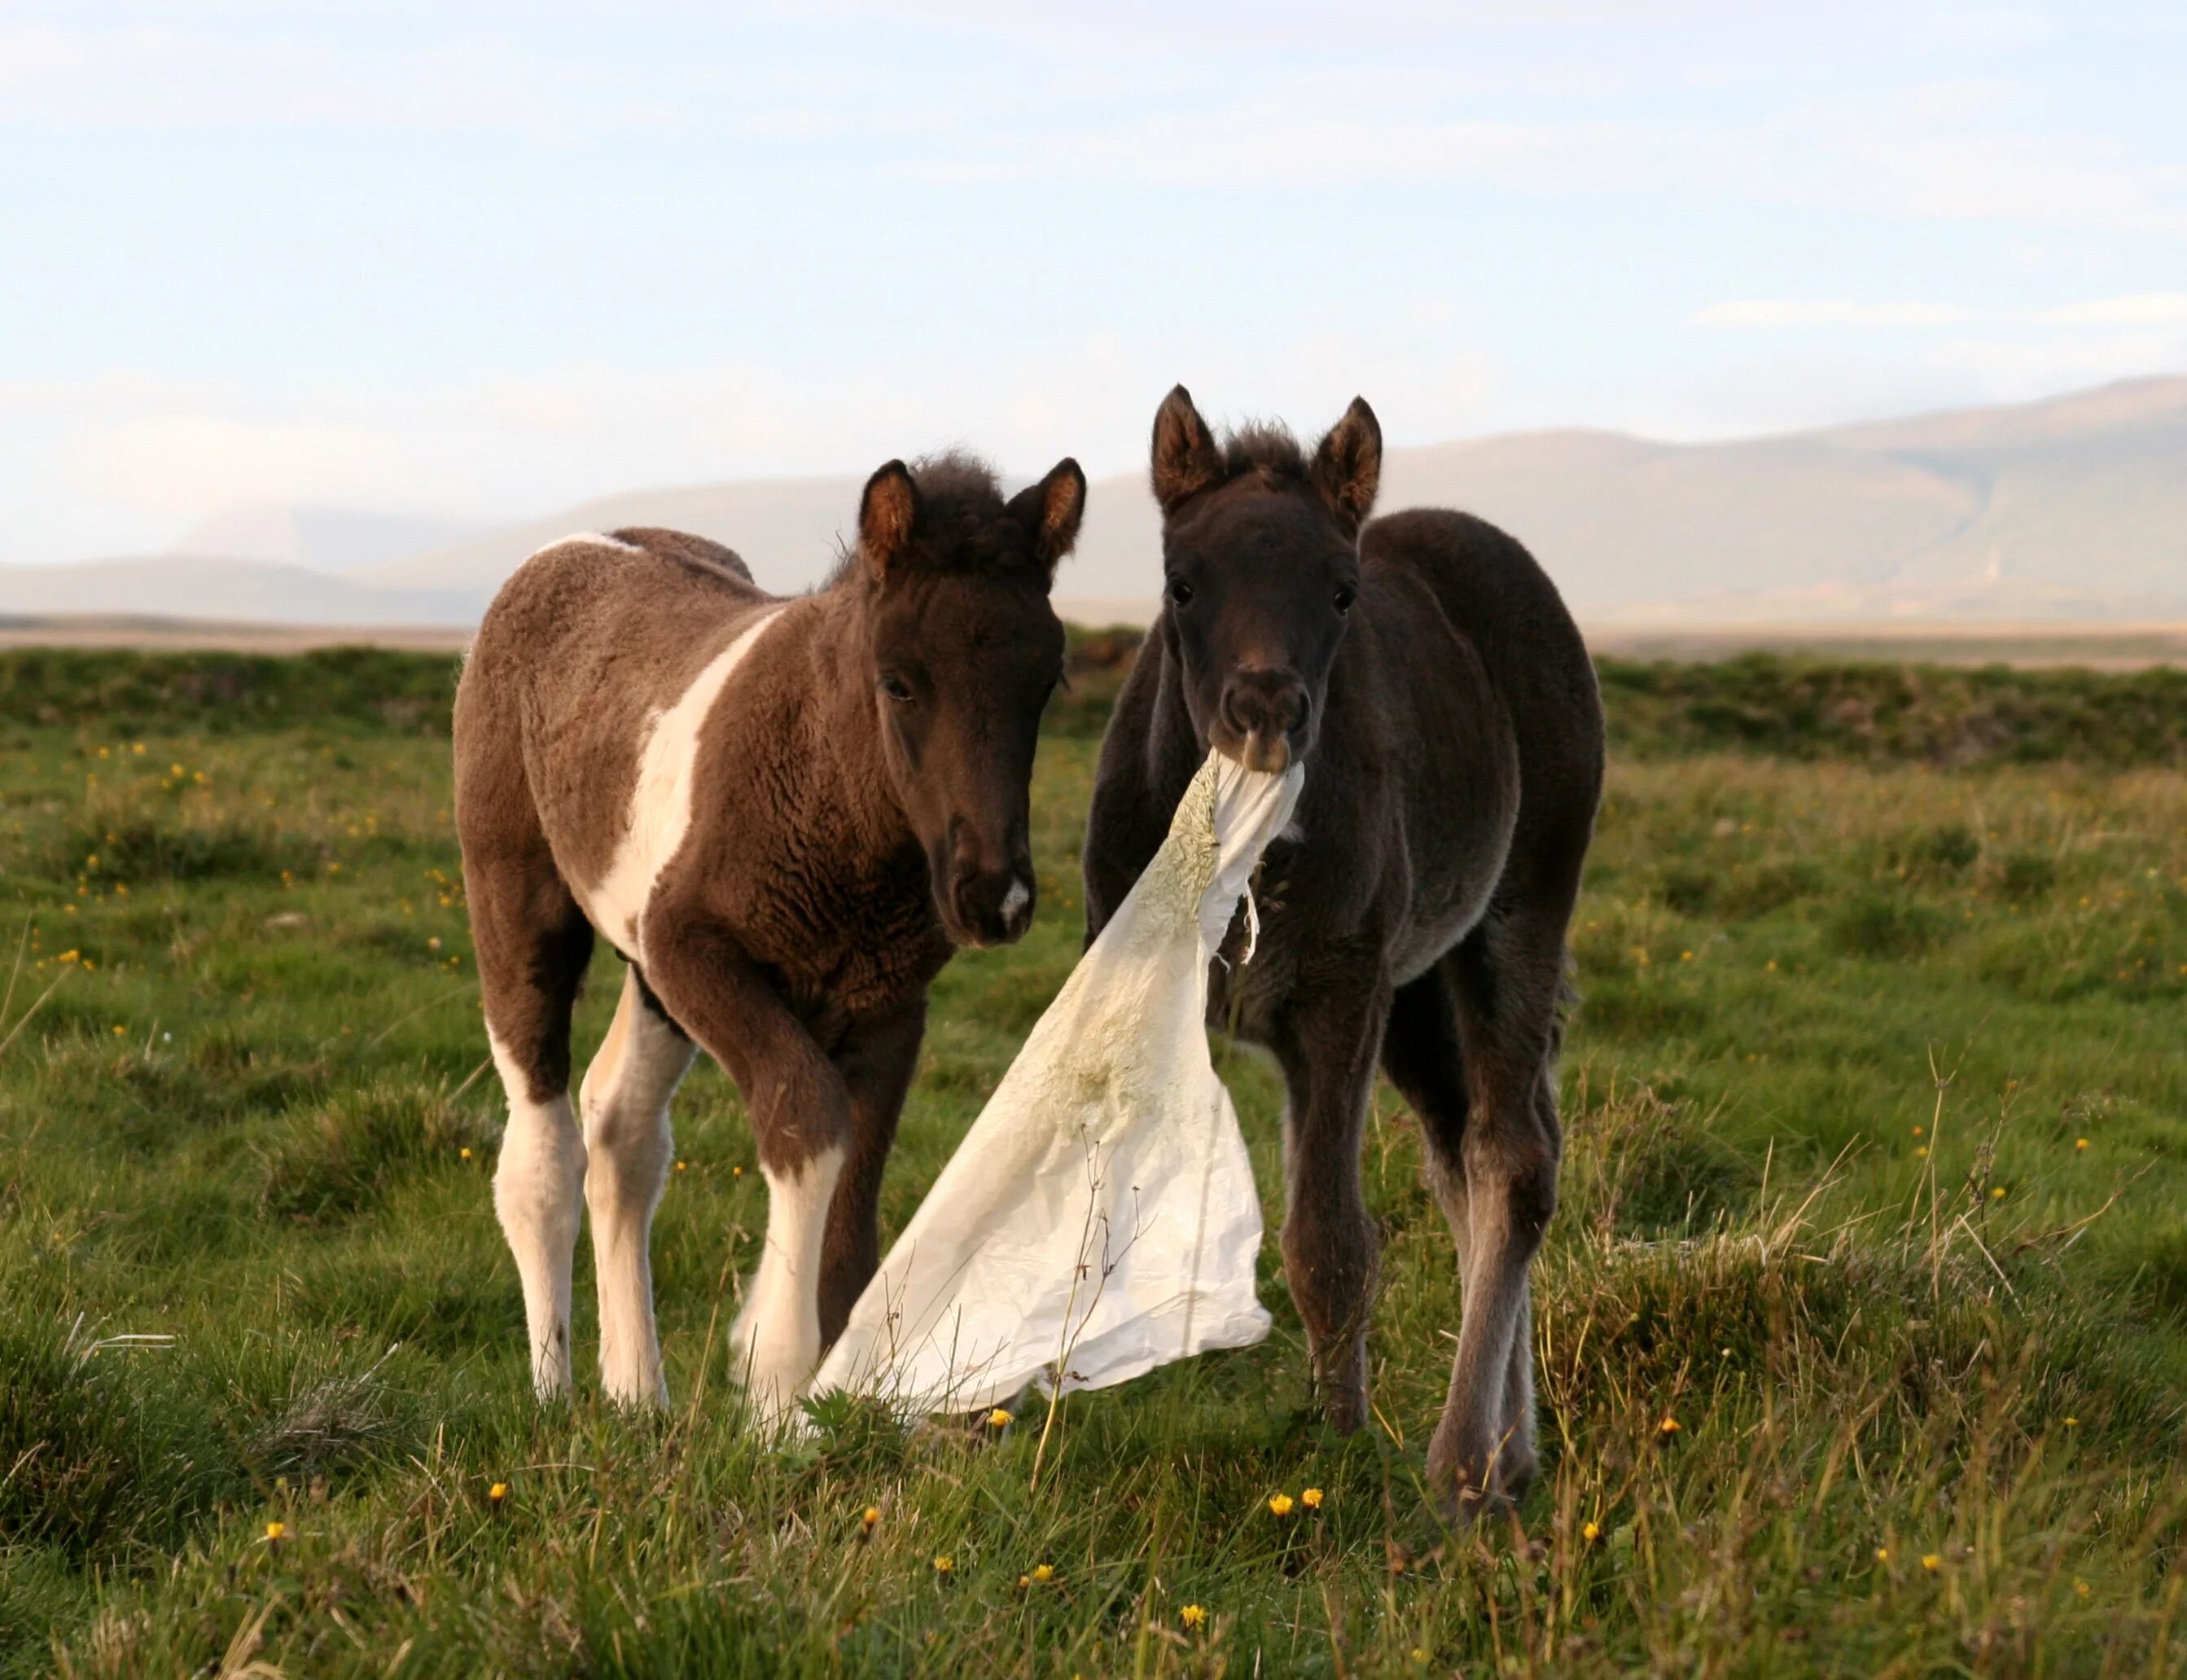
1100	1218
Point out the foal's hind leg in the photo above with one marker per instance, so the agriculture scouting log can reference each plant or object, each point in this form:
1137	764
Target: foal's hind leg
1425	1060
532	944
625	1103
1505	979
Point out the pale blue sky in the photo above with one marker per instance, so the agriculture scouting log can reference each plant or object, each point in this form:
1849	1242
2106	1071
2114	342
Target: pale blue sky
492	258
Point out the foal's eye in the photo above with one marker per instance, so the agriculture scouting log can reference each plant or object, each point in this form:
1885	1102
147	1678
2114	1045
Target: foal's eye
1179	592
1345	596
896	688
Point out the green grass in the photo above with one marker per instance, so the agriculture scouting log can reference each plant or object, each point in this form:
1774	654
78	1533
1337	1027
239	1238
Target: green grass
249	1273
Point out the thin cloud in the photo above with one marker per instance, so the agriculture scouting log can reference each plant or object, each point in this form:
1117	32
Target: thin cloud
2141	309
1778	312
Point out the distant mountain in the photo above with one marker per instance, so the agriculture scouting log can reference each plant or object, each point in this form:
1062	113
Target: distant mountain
786	529
251	591
338	540
2074	508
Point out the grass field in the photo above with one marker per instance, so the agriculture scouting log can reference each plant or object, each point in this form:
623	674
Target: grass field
1863	1327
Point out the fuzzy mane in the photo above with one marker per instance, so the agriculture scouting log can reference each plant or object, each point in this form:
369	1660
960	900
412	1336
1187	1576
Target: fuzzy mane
1265	446
963	529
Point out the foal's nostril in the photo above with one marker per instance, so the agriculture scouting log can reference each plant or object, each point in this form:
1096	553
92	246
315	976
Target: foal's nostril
1263	702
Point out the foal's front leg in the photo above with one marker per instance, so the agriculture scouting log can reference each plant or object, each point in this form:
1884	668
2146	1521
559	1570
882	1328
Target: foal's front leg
1328	1048
877	1061
801	1114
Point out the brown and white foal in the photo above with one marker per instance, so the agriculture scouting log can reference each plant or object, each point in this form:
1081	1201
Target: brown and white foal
784	814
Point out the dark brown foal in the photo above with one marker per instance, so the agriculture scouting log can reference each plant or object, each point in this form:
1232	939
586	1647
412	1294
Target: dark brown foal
1425	671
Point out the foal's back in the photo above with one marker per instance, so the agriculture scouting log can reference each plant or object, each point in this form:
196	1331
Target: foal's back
1496	597
592	638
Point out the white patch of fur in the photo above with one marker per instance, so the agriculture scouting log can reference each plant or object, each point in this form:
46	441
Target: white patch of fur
628	1145
1015	900
538	1192
660	815
777	1336
598	539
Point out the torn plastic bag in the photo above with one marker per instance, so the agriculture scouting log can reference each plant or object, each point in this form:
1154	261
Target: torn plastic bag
1100	1218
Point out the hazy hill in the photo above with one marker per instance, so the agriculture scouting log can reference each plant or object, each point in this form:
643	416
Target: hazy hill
251	591
2073	507
786	529
321	539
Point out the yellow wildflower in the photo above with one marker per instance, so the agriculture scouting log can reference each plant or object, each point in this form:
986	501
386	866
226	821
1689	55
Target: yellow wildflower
1931	1561
1669	1426
1043	1572
1280	1504
1192	1616
497	1492
998	1418
943	1563
1590	1533
872	1516
275	1532
1311	1498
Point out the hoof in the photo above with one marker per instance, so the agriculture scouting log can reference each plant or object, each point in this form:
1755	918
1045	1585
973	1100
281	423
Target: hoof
1471	1488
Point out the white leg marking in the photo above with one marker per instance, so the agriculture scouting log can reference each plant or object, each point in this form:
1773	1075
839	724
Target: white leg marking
538	1191
625	1103
660	814
777	1336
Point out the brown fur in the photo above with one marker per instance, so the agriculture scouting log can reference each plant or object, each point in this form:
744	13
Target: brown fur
843	837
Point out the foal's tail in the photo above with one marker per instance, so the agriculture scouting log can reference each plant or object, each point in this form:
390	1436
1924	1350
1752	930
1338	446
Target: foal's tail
699	553
1569	998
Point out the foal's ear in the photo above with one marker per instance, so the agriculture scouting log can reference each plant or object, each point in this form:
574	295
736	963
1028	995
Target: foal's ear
887	511
1348	467
1185	458
1051	510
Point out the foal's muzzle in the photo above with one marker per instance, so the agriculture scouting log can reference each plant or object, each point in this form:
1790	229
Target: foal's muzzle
983	905
1262	720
